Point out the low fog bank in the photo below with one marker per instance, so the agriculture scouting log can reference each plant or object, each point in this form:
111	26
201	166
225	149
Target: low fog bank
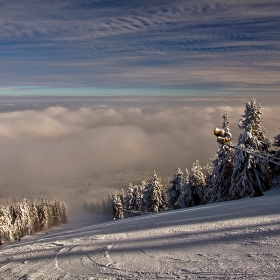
86	148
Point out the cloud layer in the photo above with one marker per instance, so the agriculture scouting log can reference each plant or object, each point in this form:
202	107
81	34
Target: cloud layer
46	150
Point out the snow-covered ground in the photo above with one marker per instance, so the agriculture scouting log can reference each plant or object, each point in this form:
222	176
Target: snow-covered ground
232	240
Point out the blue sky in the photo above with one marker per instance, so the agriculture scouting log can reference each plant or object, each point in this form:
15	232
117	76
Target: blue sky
147	47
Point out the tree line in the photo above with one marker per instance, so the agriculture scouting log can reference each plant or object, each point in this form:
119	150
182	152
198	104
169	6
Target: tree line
232	174
30	216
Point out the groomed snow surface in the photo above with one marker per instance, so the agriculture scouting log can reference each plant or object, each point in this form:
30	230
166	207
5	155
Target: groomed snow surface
232	240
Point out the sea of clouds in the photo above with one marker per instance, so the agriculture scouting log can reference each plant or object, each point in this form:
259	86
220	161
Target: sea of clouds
60	143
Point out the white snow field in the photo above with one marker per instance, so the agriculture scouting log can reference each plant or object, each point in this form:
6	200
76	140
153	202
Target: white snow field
231	240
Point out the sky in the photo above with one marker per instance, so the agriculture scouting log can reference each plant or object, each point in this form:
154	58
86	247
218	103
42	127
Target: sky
147	47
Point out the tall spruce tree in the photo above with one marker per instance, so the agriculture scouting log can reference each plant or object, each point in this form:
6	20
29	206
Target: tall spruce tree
137	193
35	215
141	196
129	198
182	199
275	181
175	189
154	197
193	191
277	141
207	171
117	206
220	179
250	173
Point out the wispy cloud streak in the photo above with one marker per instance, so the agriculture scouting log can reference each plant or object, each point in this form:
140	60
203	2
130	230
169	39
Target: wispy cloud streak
229	45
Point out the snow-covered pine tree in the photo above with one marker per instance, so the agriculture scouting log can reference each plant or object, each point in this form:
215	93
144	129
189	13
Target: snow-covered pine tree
122	196
60	212
35	215
63	212
29	221
17	226
46	221
276	142
3	228
250	174
8	217
175	189
207	170
182	196
23	217
220	179
154	196
133	197
196	184
57	213
141	202
128	199
136	198
117	207
193	190
275	151
11	218
51	213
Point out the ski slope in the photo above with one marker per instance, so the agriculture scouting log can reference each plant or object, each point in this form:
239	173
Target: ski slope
232	240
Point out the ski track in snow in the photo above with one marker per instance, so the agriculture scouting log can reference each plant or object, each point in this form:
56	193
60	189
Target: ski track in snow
231	240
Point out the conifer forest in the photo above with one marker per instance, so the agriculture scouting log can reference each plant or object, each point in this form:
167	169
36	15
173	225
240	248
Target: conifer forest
24	217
